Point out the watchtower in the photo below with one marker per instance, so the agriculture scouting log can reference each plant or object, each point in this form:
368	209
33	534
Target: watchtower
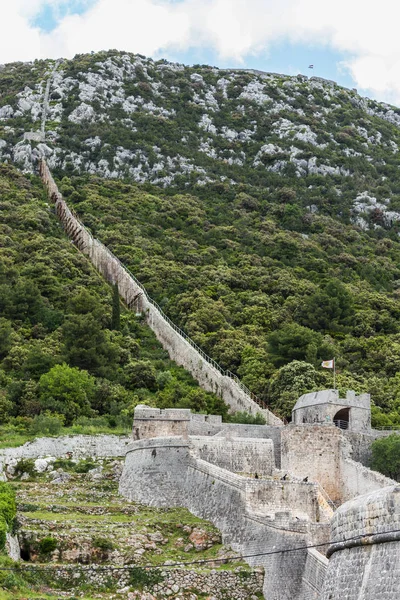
325	406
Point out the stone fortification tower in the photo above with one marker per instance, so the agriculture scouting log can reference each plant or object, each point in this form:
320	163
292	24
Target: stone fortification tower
325	406
364	557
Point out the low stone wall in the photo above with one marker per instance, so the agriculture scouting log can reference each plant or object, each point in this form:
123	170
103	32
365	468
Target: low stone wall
161	472
357	480
243	431
237	454
78	446
274	498
216	584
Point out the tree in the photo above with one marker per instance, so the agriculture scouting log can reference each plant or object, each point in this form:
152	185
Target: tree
141	374
85	341
294	342
67	391
289	383
116	310
5	337
386	456
329	309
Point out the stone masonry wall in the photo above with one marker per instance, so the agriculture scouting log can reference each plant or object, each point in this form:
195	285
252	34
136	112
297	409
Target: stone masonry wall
323	453
314	575
162	472
155	422
79	446
357	480
361	567
314	452
207	373
217	584
237	454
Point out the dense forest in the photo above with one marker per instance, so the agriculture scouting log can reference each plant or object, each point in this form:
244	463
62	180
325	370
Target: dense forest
69	353
260	212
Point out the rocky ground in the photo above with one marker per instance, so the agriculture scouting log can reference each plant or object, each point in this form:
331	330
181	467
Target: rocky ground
95	544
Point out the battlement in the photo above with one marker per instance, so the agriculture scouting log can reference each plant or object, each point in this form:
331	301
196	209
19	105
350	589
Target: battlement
156	422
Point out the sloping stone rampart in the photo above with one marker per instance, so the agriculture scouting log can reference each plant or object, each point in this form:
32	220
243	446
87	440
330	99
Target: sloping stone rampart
207	372
357	480
314	575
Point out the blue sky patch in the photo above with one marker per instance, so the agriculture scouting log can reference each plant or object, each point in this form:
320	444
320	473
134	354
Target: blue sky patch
289	59
50	16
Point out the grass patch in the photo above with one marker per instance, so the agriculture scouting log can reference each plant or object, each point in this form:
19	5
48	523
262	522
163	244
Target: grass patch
10	438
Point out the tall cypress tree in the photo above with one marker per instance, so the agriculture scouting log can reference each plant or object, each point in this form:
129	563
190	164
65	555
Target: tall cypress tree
116	311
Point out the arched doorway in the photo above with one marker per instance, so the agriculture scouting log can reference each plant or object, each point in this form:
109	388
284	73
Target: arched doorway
342	418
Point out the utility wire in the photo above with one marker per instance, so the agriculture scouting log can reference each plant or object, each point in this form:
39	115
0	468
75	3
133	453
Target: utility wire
193	562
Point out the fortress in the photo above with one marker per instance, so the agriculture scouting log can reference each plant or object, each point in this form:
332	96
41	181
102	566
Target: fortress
289	498
298	500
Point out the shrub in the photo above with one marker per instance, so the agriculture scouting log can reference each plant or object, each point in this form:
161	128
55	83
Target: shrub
386	456
47	545
140	577
8	511
84	466
247	418
103	544
25	465
47	423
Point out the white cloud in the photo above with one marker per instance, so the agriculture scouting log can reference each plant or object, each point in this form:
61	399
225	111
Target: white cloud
232	28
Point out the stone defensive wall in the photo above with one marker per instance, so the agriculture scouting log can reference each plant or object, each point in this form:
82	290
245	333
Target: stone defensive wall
277	519
254	515
180	347
361	443
155	422
357	480
238	455
314	575
364	556
77	447
322	453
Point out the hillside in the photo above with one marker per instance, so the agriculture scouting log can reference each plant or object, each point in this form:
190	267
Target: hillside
80	538
65	356
260	210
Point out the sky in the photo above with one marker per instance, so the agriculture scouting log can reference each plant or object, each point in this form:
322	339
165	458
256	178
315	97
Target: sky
353	42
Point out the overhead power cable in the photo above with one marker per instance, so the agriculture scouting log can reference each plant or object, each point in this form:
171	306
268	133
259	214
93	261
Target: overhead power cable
96	568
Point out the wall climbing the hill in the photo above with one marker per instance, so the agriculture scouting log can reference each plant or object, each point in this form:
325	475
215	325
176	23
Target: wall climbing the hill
180	347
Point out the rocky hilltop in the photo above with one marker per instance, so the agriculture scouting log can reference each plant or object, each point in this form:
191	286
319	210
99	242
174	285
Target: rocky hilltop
120	115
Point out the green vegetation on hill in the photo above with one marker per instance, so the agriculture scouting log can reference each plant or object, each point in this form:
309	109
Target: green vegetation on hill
386	456
265	301
264	220
61	360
